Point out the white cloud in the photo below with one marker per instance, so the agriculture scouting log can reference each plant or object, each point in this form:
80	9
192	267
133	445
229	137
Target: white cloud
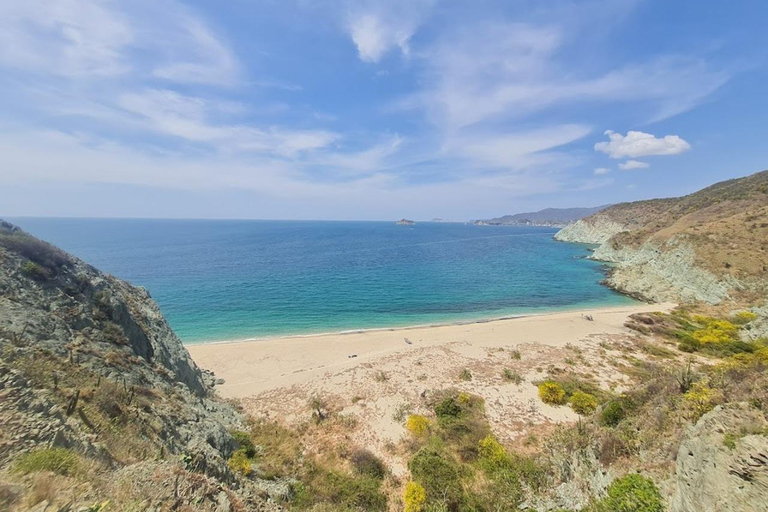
494	70
633	164
638	144
188	117
601	171
378	27
514	151
64	37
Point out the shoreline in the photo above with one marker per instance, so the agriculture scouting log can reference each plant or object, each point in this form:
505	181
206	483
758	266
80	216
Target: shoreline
362	330
254	367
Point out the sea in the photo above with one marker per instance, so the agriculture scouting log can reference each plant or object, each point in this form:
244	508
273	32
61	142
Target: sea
224	280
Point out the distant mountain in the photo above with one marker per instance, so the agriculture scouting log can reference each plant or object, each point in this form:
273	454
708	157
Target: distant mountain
547	217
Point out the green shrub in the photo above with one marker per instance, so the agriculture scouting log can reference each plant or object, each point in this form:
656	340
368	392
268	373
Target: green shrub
35	271
344	492
439	475
240	463
414	497
551	393
56	460
613	412
37	251
583	403
366	463
632	493
448	408
511	376
505	473
244	442
465	375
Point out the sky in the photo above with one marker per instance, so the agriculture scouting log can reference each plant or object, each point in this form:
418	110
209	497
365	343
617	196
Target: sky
373	109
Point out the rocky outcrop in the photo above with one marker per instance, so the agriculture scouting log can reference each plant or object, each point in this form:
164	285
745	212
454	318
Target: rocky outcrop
54	307
722	463
666	273
90	364
654	272
597	230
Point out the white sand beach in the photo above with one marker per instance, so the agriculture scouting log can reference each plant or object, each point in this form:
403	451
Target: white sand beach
253	367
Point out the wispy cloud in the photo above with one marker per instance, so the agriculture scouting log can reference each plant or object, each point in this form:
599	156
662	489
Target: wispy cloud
494	70
170	113
633	164
86	39
514	151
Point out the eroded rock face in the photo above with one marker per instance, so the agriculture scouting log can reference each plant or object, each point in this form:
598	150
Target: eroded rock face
597	230
722	463
663	274
94	327
652	272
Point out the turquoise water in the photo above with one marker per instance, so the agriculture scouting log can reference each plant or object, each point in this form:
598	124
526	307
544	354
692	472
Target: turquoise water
225	280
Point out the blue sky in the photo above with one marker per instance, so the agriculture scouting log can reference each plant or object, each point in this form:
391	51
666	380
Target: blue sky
373	109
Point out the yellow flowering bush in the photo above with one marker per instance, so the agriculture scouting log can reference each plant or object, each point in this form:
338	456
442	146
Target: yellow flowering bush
699	399
491	452
551	393
583	403
415	496
464	398
714	330
417	424
240	463
744	317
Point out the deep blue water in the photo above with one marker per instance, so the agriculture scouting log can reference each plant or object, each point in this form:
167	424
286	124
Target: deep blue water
224	280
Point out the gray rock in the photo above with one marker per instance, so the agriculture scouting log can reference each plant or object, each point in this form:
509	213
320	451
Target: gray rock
713	476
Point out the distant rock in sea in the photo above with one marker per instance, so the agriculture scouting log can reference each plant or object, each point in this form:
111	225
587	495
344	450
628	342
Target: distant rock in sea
405	222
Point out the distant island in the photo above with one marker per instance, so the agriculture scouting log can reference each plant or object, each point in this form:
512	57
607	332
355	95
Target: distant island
405	222
553	217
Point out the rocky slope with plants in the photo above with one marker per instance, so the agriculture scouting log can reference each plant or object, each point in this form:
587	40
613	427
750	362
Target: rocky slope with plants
95	389
710	246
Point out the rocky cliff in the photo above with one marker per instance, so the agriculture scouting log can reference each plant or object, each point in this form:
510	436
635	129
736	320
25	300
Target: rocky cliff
90	366
710	246
722	463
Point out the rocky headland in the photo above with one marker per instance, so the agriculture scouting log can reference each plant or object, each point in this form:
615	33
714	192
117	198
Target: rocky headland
710	246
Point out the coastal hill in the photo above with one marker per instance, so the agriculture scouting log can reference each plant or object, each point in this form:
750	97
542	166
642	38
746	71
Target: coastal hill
710	246
556	217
